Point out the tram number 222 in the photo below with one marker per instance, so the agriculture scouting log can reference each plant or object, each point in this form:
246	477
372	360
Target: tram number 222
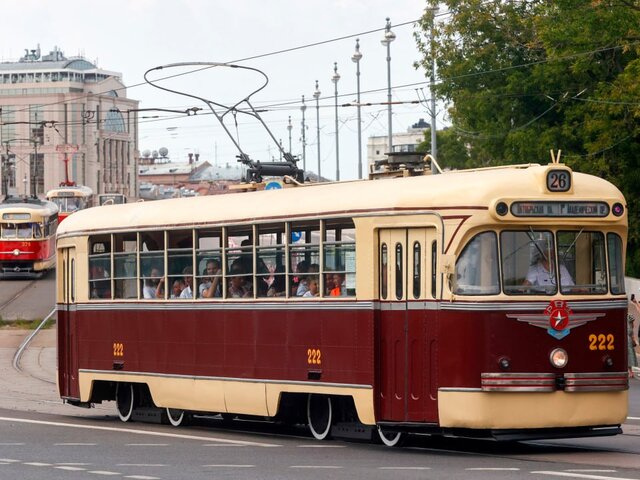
314	356
601	342
118	349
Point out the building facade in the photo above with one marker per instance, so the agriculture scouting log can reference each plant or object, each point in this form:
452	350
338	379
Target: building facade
54	108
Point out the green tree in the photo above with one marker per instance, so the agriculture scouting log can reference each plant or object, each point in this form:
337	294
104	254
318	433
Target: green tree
452	151
522	78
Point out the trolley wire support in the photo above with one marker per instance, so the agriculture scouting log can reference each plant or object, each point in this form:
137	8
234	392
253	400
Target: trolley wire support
255	169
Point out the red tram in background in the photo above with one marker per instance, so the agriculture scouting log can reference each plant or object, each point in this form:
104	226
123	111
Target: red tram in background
27	236
70	199
423	311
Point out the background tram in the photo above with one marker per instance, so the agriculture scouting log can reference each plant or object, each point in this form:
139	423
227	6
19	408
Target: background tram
27	236
70	199
111	199
438	326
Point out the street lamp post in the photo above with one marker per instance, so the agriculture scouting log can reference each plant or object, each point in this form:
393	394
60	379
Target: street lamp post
289	127
303	108
389	37
316	95
356	57
335	79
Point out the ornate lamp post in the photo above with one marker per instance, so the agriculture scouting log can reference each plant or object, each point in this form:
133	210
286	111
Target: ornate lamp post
335	79
389	37
303	108
356	57
316	95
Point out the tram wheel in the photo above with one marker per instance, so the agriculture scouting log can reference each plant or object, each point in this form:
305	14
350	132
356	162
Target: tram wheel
319	416
391	439
125	397
177	417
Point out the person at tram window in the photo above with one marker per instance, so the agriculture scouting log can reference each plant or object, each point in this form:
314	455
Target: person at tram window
542	272
150	289
339	289
238	287
187	292
300	286
176	288
313	287
210	287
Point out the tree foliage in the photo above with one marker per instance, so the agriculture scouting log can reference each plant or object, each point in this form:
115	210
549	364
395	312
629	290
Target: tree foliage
520	78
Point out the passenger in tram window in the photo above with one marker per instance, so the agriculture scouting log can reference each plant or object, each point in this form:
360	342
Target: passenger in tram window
187	292
278	287
176	288
312	284
151	284
542	271
210	286
238	287
299	285
339	288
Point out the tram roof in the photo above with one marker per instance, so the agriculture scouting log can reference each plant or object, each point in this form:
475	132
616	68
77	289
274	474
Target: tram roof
22	205
75	190
451	190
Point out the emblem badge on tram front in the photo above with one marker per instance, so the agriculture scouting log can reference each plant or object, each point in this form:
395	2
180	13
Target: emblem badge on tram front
558	319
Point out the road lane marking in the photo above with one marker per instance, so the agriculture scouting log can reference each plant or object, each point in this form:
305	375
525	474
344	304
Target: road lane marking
313	445
75	444
589	470
221	445
147	444
404	468
315	466
74	464
37	464
581	475
139	432
633	418
141	465
70	468
229	466
493	469
9	460
142	477
11	444
104	472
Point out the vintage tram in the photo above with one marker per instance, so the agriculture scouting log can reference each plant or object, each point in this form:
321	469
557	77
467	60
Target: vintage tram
425	315
70	199
27	236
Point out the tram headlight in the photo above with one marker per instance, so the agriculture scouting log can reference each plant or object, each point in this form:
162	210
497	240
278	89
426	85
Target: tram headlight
504	363
559	357
608	361
618	209
502	209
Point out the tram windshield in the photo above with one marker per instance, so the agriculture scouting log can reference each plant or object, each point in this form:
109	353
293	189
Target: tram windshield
69	204
21	230
540	262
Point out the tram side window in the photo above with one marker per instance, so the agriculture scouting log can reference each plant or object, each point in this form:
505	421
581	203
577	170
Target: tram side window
151	263
209	263
239	265
477	267
179	261
582	255
339	258
270	261
304	258
384	265
125	265
100	266
616	271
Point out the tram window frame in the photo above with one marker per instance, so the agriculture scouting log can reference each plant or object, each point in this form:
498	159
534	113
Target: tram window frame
399	264
615	249
179	256
305	248
240	255
593	287
384	265
99	263
151	248
544	237
125	265
434	266
208	243
492	266
417	269
342	251
271	259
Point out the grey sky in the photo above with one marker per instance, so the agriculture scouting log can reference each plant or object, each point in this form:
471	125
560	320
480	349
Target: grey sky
132	36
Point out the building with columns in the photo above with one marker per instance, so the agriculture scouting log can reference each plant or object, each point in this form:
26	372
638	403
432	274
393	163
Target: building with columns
53	107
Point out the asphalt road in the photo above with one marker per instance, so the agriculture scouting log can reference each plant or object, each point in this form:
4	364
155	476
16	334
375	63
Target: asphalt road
26	299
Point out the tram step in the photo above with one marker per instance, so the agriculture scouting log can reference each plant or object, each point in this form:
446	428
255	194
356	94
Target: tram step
148	415
352	431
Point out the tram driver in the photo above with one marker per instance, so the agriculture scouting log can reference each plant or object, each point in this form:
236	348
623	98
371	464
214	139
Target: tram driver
542	271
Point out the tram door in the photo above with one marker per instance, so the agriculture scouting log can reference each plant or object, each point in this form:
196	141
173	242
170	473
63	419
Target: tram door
407	325
67	345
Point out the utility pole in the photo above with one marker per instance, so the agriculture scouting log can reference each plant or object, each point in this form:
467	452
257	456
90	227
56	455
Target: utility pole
432	84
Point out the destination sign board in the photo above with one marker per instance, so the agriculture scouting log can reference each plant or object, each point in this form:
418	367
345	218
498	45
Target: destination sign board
559	209
16	216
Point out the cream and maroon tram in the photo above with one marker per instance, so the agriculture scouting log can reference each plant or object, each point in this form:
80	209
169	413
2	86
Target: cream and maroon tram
27	236
70	199
424	314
